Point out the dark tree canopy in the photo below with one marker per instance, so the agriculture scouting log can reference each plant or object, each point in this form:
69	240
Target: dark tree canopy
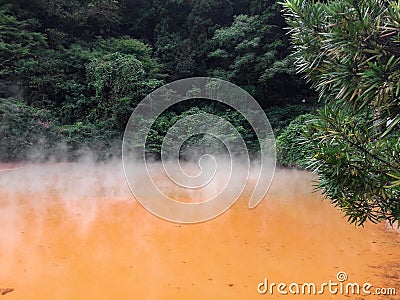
88	63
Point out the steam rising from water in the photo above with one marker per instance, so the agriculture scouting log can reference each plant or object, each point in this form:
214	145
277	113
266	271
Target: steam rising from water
80	192
83	186
226	175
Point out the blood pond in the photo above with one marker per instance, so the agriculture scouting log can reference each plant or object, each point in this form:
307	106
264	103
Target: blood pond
75	232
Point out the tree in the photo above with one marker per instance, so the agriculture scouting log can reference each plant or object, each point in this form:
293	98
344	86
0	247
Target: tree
17	42
204	18
349	50
253	52
176	55
122	72
89	62
289	152
25	130
80	18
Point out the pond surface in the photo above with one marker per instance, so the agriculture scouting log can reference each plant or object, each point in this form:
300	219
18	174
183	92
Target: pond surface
74	232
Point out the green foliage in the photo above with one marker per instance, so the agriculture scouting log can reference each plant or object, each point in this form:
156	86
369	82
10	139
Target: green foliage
91	62
291	148
168	118
135	48
357	172
114	74
25	130
85	18
35	134
280	117
205	16
120	80
90	88
253	53
51	77
88	84
177	56
349	50
81	138
16	42
352	52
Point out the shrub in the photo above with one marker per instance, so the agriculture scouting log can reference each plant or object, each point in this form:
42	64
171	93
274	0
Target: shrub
24	129
292	150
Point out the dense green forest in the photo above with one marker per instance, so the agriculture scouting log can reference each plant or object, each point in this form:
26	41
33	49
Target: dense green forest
73	71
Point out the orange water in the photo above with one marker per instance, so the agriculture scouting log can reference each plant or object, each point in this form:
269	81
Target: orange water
72	234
